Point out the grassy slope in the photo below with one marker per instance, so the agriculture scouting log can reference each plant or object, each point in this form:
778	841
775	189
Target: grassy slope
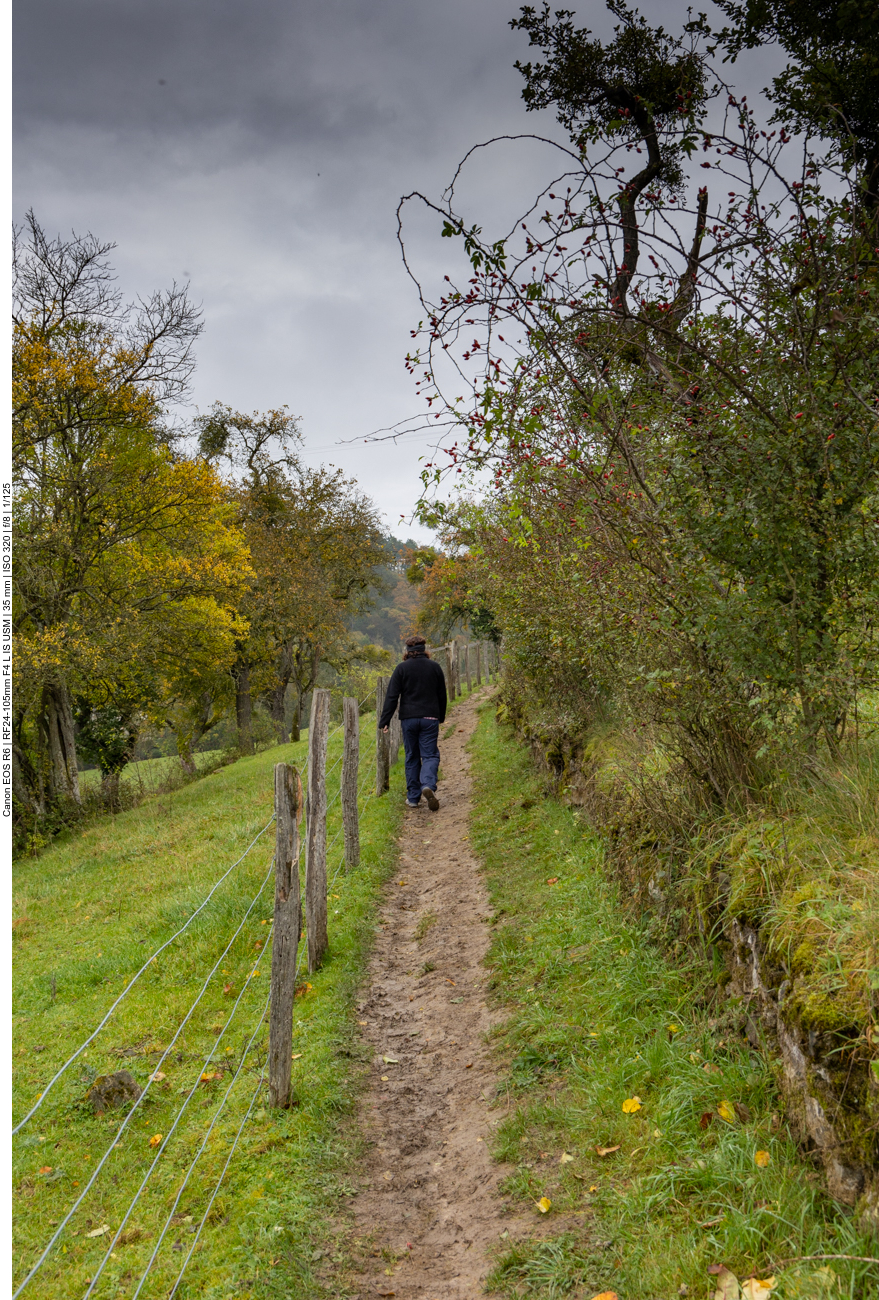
597	1014
147	773
96	903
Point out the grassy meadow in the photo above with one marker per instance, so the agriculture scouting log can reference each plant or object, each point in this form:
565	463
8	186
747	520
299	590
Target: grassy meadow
88	912
146	775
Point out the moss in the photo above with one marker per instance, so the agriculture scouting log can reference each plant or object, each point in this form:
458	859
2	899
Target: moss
818	1011
803	960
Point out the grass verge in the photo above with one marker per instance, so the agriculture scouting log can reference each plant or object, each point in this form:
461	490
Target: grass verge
626	1059
89	910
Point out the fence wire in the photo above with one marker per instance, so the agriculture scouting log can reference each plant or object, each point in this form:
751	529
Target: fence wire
177	1119
164	1147
124	1125
131	983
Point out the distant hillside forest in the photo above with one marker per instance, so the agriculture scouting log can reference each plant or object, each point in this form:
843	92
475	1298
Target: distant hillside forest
394	598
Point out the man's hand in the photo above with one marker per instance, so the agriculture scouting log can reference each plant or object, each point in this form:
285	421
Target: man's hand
385	730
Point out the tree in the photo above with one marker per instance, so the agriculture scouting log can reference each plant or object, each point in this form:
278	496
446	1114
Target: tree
689	422
830	84
116	532
314	542
451	588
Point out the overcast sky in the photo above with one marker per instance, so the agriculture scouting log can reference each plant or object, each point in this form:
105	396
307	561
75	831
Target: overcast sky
259	150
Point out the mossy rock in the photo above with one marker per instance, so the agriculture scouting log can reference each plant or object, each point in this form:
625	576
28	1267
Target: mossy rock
820	1011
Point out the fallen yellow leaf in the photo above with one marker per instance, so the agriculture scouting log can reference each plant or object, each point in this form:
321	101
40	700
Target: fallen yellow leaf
725	1111
384	1078
157	1076
631	1104
544	1205
762	1158
391	1060
155	1139
607	1151
565	1158
755	1289
606	1295
295	1056
99	1232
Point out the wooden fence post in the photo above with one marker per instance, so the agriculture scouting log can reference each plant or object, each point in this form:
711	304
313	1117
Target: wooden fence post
382	746
453	670
350	772
478	663
441	654
467	667
285	935
395	736
316	831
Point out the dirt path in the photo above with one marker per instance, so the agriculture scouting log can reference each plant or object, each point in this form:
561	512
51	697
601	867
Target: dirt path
431	1197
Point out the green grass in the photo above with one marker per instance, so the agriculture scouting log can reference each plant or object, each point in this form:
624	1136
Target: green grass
598	1014
147	774
89	910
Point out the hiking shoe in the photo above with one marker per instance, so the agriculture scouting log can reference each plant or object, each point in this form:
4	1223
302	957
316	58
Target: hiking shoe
432	801
410	804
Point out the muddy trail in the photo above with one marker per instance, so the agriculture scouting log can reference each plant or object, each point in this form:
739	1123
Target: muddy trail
429	1208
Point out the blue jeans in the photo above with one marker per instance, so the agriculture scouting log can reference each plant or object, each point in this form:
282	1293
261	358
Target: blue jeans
420	736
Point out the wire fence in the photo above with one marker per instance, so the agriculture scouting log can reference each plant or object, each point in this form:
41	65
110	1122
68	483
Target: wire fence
134	979
160	1156
335	859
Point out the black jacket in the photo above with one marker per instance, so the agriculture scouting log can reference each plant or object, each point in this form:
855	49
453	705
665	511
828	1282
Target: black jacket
420	686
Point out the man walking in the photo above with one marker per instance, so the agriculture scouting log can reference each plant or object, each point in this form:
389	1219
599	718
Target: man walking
420	686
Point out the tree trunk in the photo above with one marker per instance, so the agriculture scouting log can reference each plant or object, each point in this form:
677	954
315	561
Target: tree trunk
243	708
184	750
57	737
110	791
27	787
187	740
277	696
296	725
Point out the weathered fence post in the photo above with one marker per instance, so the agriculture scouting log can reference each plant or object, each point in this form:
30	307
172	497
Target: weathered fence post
316	831
395	736
467	667
382	747
441	654
350	770
285	935
453	670
478	663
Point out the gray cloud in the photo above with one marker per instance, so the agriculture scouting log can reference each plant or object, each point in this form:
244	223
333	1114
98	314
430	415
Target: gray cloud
266	170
